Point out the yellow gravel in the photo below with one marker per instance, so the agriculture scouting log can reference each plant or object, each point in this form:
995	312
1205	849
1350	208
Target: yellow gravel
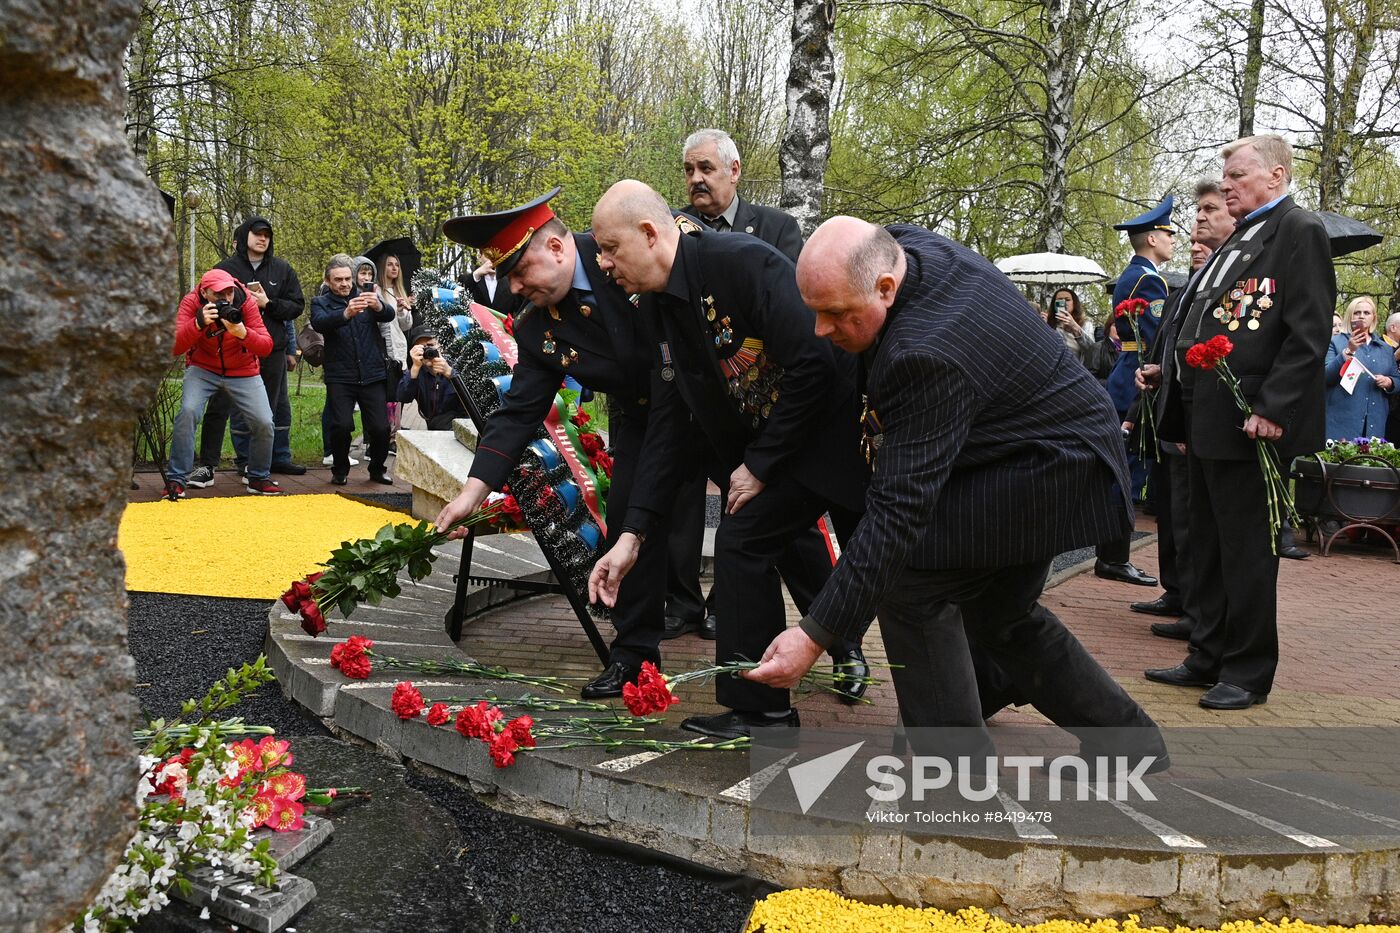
251	547
809	910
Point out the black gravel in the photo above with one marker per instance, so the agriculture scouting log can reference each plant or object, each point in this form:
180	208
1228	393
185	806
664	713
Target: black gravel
491	871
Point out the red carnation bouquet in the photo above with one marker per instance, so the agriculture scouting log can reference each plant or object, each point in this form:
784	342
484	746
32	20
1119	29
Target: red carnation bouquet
1212	355
1133	309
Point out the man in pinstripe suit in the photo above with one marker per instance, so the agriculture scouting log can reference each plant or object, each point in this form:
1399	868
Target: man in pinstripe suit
992	453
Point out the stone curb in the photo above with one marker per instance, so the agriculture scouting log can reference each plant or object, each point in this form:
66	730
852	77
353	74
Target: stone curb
683	804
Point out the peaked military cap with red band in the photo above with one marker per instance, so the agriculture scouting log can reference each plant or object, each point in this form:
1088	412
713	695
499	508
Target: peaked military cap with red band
502	236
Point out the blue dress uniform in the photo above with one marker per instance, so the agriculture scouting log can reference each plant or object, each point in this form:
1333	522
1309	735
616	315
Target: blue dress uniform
1139	280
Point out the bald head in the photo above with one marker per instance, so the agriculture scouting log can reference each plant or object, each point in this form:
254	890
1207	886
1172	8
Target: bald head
849	273
636	236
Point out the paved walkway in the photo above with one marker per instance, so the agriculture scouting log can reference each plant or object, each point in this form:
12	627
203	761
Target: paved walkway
151	487
1339	634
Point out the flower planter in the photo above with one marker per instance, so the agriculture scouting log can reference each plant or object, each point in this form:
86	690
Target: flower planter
1361	489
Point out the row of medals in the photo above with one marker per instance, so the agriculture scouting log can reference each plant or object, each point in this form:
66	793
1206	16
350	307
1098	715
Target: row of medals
1231	309
756	388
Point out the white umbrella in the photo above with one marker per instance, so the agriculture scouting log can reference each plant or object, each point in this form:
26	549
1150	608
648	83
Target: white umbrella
1051	269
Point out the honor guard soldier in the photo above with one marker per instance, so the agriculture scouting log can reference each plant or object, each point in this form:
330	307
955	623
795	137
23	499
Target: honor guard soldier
582	325
1151	237
778	408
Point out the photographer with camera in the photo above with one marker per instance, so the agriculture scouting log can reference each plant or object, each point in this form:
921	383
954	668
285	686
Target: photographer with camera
349	315
221	334
427	382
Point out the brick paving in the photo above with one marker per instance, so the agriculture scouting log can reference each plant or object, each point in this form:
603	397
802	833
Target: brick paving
1337	632
1339	635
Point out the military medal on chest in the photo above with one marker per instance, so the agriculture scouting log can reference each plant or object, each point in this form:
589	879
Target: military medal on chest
567	356
668	372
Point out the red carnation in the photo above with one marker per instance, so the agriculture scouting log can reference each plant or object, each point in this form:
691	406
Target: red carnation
509	325
602	462
519	730
406	702
580	418
502	748
508	512
1130	307
437	714
352	658
479	721
1209	354
591	442
650	694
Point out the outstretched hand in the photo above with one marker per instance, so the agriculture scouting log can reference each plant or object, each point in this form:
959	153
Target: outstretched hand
606	578
789	657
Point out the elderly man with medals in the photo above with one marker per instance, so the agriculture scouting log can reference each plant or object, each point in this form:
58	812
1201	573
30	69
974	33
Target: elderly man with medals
778	408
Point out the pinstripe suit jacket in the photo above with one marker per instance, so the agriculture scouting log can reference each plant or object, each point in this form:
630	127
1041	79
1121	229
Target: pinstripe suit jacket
998	447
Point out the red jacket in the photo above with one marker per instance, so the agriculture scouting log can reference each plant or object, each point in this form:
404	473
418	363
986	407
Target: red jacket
222	353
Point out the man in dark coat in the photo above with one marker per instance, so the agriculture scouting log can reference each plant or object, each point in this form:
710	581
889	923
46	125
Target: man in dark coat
712	167
712	170
348	314
993	451
273	283
579	324
1271	290
1178	601
777	407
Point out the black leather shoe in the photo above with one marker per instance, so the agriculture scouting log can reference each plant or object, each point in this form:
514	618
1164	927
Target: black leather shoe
1228	696
707	631
382	478
609	683
737	723
1161	606
289	469
1179	676
676	627
1293	552
853	664
1178	630
1123	573
338	480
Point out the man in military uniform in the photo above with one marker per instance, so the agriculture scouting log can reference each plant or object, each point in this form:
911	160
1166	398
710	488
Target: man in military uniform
582	325
1151	237
1271	290
777	406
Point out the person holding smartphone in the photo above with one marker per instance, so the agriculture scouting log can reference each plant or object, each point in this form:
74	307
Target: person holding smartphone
349	313
1359	406
1068	318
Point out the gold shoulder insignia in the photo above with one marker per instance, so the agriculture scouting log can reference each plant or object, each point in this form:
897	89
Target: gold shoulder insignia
685	225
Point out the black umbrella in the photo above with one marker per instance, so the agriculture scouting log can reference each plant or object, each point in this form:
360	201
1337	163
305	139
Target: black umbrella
410	260
1347	234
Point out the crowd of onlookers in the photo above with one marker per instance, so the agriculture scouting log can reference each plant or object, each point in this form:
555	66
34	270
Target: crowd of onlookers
237	332
1365	404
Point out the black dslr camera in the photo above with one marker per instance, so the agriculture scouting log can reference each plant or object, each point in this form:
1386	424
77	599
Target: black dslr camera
228	311
430	353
